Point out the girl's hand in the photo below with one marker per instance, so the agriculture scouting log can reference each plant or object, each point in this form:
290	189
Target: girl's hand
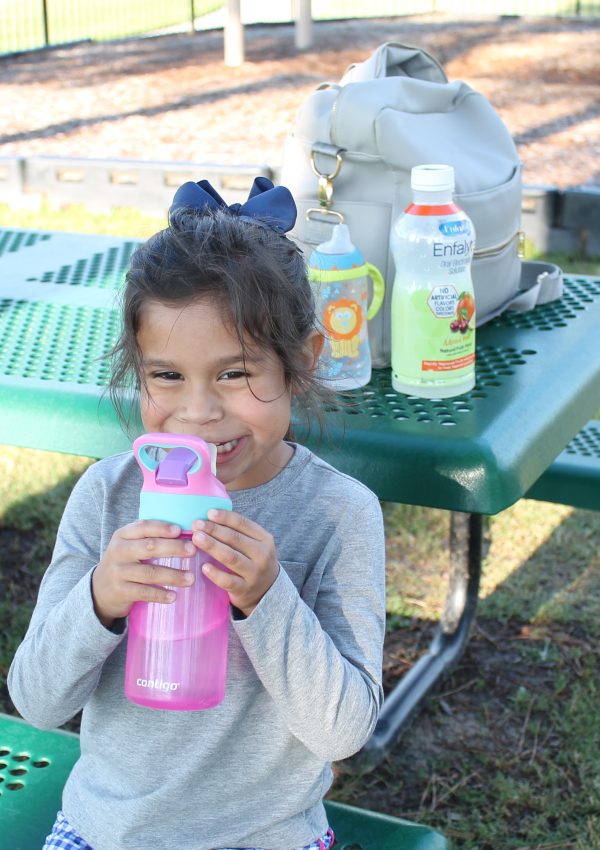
121	578
245	548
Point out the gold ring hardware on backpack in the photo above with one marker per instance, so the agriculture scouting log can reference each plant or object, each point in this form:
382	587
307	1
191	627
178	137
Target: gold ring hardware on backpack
325	185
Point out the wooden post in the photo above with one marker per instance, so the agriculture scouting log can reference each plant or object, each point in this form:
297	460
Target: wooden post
303	30
234	34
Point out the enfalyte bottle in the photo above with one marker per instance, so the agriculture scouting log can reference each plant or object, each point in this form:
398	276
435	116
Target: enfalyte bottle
339	273
433	306
177	652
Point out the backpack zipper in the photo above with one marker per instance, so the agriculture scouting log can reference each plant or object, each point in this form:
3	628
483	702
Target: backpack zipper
494	250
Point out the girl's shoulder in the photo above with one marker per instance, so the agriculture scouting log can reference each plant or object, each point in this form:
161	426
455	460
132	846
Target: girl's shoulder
115	473
326	481
114	466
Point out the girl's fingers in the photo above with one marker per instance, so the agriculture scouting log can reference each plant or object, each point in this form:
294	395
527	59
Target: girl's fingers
239	536
155	547
156	574
230	582
148	528
236	560
232	520
147	593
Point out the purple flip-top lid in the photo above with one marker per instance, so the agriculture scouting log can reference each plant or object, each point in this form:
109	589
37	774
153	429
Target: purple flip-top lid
173	468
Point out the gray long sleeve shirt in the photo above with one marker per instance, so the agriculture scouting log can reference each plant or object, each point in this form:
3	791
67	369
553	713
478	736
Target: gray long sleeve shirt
303	686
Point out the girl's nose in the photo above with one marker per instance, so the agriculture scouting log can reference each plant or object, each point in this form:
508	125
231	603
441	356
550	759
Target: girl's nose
200	407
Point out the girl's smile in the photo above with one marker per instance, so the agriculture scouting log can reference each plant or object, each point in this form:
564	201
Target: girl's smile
229	450
197	380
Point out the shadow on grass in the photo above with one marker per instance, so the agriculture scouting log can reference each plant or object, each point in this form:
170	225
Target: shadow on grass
559	583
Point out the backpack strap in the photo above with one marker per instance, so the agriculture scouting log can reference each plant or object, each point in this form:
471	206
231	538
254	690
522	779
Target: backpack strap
540	283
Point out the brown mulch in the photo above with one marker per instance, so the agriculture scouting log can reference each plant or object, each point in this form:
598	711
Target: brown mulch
172	98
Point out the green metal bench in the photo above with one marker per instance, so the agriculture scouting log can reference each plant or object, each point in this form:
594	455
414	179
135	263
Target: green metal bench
574	477
34	765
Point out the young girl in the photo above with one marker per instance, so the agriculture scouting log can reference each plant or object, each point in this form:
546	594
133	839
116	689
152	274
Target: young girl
219	335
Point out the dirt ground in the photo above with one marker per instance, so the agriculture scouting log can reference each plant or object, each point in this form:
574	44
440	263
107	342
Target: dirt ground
172	98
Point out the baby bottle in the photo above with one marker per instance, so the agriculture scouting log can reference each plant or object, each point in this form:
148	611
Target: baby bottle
177	653
339	273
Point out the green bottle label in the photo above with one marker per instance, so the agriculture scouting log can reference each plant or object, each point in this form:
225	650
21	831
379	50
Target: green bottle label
434	334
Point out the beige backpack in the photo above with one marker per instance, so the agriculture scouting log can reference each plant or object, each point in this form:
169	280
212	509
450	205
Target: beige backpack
350	154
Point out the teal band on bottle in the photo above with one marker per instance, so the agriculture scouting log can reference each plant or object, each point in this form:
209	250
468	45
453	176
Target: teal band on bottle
181	509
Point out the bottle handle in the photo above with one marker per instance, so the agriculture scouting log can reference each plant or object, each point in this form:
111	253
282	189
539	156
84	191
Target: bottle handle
149	464
378	290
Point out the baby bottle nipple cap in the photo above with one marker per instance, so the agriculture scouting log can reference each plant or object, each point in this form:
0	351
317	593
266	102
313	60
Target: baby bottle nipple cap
340	242
338	253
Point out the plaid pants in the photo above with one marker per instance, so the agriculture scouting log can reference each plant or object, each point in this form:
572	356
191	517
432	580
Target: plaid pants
63	837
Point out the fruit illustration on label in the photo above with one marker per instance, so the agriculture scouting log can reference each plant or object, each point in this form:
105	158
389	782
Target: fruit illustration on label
465	309
466	306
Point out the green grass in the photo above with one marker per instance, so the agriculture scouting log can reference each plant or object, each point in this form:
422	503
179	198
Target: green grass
572	262
75	218
22	25
508	755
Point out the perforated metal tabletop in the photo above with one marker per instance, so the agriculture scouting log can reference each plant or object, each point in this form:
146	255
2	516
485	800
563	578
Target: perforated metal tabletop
59	296
538	382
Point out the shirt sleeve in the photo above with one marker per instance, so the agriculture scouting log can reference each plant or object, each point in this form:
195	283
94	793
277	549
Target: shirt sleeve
58	664
322	667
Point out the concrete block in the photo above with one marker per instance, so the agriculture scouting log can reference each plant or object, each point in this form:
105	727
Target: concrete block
563	221
12	184
580	215
102	184
538	215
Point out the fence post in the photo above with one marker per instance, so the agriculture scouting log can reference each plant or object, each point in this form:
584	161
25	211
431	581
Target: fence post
234	34
192	16
45	22
304	24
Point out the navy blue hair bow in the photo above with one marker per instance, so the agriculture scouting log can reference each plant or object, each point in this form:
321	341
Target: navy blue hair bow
267	204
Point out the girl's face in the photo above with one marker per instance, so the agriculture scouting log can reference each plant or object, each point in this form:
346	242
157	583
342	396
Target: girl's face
198	383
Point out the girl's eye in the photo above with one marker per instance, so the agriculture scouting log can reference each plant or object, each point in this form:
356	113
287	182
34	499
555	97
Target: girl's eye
234	374
166	376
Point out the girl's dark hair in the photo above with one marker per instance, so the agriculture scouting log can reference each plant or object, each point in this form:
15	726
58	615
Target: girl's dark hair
256	274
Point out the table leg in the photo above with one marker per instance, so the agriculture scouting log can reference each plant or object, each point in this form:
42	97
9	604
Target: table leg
447	645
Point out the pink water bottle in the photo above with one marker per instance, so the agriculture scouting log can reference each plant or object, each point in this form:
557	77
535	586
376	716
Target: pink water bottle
177	653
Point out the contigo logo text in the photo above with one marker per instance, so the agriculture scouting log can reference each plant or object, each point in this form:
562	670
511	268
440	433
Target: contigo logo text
157	685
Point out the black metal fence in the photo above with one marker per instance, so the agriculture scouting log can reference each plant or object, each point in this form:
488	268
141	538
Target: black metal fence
30	24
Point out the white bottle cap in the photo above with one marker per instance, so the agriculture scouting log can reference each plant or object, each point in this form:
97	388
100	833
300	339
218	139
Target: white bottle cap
432	178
